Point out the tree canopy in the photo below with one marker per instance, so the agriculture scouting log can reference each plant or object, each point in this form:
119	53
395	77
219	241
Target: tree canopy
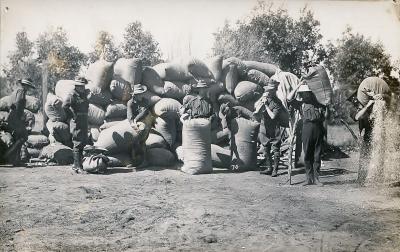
271	35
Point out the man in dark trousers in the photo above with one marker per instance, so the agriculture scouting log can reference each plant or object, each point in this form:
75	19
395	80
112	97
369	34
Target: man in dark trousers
313	116
138	109
267	108
16	123
77	106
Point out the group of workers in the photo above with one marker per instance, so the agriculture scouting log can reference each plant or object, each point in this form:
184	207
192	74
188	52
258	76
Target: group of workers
196	104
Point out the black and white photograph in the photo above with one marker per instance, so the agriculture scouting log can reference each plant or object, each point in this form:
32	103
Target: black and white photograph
200	125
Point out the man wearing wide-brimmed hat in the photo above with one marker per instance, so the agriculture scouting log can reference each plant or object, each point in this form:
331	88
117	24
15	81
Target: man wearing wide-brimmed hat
196	104
268	108
76	106
140	118
16	122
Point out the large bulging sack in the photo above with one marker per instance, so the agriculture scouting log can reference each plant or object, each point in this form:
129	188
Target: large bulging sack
224	98
176	70
241	67
152	79
120	91
37	141
64	88
166	105
33	153
96	115
174	90
128	70
150	98
160	157
221	158
196	144
53	108
116	110
215	66
99	74
374	84
199	69
119	138
266	68
32	104
155	140
230	77
59	132
244	146
166	126
318	81
258	77
58	153
160	70
247	91
6	138
98	96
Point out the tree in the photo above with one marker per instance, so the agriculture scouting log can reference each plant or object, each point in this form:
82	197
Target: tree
21	65
64	60
140	44
273	36
104	48
354	57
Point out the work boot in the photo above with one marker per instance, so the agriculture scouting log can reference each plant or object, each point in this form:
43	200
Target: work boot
77	166
276	166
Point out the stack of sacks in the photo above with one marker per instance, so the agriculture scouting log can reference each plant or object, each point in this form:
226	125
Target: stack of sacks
32	148
162	140
59	150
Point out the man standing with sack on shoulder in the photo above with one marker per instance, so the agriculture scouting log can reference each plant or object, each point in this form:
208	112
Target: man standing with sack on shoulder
77	107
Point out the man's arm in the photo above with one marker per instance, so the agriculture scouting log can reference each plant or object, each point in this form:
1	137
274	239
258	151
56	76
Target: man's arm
67	106
362	113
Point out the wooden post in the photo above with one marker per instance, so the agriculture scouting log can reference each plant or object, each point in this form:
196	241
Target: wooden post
45	76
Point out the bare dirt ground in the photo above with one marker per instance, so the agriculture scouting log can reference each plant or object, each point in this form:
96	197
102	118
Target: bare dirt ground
50	209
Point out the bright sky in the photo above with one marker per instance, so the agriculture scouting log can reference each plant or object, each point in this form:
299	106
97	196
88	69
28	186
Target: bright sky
176	22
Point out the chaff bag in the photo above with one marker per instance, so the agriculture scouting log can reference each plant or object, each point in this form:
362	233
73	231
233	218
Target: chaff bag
95	163
318	81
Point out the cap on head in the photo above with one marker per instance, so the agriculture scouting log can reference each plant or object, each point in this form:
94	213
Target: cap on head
304	88
80	81
27	82
139	89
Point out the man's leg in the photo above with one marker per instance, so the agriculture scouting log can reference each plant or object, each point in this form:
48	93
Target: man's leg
308	153
317	154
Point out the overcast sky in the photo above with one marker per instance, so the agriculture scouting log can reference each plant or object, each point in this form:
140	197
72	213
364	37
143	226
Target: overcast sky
175	22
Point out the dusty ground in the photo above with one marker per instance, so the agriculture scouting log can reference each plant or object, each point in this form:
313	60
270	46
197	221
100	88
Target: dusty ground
49	209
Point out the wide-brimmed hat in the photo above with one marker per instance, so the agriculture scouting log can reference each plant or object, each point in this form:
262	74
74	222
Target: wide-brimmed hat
139	89
27	82
304	88
80	81
200	84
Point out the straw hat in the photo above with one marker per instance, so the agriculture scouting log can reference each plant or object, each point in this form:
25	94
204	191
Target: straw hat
80	81
27	82
139	89
304	88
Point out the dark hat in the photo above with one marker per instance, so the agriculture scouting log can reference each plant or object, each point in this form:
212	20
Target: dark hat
80	81
139	89
27	82
94	149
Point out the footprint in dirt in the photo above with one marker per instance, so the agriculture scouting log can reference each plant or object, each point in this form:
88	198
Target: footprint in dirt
92	193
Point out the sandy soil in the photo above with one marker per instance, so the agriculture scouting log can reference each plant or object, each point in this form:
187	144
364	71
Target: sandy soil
50	209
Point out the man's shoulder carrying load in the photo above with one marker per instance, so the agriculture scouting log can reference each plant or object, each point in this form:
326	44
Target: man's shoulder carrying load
372	84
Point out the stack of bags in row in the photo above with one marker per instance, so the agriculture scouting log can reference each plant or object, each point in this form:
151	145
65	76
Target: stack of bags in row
36	142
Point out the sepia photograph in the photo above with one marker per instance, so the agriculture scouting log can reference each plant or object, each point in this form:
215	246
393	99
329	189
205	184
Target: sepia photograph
200	125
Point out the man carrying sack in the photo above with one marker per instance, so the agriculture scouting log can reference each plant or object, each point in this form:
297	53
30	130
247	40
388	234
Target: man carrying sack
16	123
76	106
268	108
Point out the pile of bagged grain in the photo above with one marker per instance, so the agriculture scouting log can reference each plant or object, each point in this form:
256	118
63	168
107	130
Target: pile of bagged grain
385	147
